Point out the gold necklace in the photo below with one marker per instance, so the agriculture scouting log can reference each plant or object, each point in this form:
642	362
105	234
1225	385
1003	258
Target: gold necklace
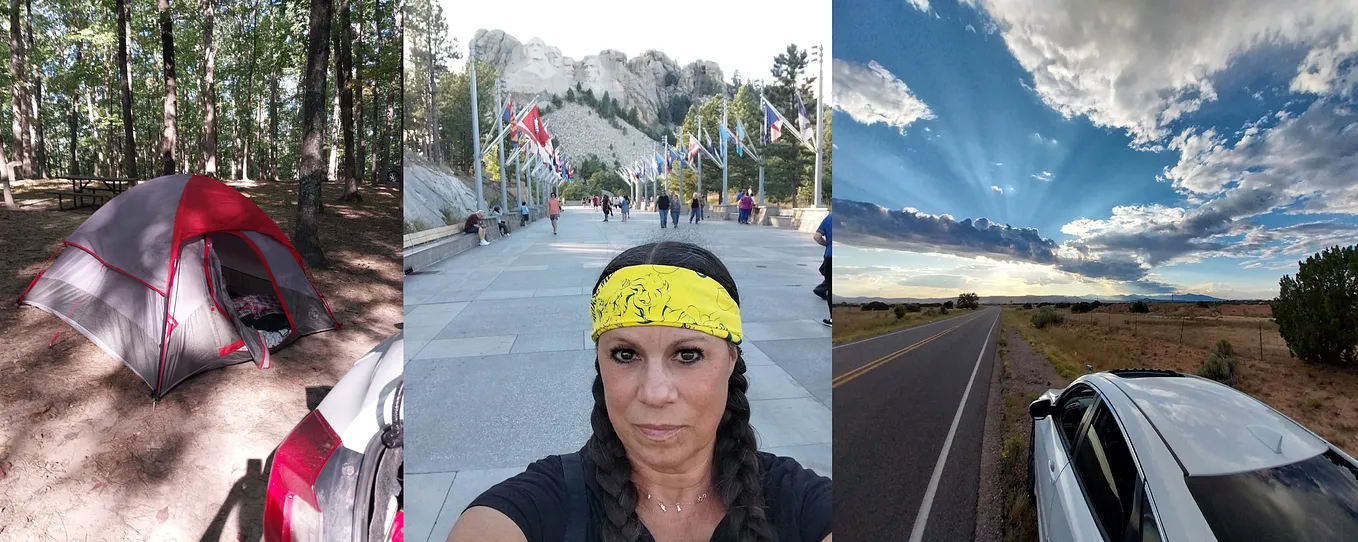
677	506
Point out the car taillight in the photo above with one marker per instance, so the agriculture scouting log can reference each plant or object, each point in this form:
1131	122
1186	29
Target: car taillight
291	513
398	527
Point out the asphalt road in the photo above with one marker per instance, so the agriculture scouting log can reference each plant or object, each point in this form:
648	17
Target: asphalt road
897	404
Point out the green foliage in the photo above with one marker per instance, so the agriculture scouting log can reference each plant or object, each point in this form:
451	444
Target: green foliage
876	306
1203	305
969	301
1219	367
1140	307
1317	311
1224	348
947	305
1047	316
912	307
944	308
1063	305
932	312
556	101
900	311
1096	304
1027	306
1082	307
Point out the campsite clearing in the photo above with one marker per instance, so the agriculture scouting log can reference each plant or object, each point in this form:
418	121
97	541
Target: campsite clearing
80	435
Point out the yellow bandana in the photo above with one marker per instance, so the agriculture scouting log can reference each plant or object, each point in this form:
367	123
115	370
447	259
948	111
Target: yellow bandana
663	295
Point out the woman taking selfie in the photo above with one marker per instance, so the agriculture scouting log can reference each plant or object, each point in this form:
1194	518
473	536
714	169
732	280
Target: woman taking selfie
673	455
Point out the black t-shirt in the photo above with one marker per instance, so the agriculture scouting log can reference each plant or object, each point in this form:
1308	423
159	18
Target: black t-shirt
694	203
799	501
663	203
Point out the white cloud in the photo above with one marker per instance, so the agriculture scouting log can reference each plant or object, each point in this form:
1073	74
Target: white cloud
971	28
1140	66
871	94
1045	176
1045	140
922	5
996	189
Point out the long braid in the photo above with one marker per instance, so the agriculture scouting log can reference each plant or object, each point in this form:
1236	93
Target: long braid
739	472
613	472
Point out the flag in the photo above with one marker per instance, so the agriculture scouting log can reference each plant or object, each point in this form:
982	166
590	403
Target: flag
803	120
508	115
772	125
533	126
740	138
693	146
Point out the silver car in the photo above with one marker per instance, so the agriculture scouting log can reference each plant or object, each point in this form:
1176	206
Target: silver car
1143	455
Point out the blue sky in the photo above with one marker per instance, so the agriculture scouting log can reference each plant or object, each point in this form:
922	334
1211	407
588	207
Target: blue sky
1091	146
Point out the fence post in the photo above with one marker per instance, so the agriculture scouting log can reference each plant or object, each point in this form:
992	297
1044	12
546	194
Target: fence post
1181	331
1261	341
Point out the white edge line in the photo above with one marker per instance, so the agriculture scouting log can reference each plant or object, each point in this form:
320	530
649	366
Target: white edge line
860	341
921	519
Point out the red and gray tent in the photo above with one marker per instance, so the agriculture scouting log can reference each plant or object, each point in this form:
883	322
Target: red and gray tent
147	276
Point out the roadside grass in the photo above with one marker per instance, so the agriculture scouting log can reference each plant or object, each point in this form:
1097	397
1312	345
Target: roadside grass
1018	518
853	324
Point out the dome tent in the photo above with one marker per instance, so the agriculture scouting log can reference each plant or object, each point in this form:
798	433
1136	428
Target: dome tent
150	278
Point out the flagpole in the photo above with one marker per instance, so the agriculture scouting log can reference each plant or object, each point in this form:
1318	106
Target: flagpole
476	127
764	138
727	161
504	185
681	162
820	106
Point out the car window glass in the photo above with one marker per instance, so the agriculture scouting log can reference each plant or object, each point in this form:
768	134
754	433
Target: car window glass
1315	500
1103	464
1072	411
1150	531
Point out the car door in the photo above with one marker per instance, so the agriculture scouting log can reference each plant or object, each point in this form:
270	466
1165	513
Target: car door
1056	435
1101	489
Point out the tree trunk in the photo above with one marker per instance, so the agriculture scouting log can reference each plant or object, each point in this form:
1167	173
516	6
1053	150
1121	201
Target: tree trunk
431	111
5	172
36	117
361	161
73	115
273	103
307	236
210	91
125	81
250	92
333	139
344	85
167	143
19	102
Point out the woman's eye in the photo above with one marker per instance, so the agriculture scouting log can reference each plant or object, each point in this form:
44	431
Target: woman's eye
624	355
690	356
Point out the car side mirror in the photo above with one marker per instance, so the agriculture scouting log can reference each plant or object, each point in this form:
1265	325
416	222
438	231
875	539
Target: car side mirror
1040	408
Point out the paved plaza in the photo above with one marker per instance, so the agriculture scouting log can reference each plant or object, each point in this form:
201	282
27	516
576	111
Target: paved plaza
499	361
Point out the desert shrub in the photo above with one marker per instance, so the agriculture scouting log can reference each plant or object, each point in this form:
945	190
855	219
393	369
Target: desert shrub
1063	305
948	305
1203	305
931	312
556	101
1082	307
876	306
913	307
1047	316
1224	348
450	216
1027	306
900	311
1141	307
969	301
1043	304
944	308
1097	303
1219	368
1317	311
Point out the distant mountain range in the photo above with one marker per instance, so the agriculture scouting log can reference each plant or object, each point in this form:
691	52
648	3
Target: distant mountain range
1001	300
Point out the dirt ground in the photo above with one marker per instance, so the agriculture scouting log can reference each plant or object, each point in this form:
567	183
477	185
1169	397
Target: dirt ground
85	454
1025	375
1319	397
1193	310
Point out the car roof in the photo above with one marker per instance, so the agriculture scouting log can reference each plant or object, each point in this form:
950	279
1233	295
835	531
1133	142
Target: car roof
1214	429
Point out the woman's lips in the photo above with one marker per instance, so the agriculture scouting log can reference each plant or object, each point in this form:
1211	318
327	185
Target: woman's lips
659	433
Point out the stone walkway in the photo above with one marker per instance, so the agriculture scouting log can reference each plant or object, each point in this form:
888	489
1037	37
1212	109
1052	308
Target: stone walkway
499	362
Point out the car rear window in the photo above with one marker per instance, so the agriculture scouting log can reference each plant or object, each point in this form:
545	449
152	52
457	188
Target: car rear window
1314	500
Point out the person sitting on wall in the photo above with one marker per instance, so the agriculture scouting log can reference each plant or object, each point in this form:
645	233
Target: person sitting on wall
474	225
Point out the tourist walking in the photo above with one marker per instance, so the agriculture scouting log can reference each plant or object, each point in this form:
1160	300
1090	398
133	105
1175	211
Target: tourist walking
608	207
662	203
523	213
822	238
553	210
626	206
746	205
695	207
675	203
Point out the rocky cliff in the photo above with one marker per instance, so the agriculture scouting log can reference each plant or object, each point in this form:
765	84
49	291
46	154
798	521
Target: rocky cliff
647	82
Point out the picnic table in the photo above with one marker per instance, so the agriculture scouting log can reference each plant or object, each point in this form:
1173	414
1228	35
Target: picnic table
82	191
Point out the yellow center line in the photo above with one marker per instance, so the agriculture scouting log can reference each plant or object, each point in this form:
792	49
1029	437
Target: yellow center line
846	377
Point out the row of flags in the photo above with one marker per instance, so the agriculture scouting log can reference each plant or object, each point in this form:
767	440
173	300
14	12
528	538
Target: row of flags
530	129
